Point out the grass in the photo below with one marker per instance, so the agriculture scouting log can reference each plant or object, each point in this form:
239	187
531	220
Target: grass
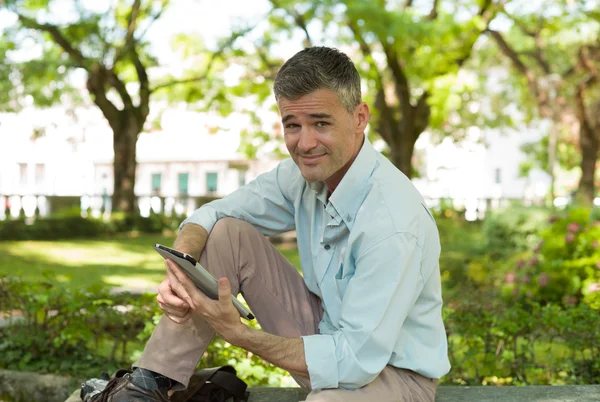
127	261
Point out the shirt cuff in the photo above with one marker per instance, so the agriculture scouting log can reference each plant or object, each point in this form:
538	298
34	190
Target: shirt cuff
319	352
205	216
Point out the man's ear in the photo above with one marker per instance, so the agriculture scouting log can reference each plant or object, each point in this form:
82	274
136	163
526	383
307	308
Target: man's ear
361	117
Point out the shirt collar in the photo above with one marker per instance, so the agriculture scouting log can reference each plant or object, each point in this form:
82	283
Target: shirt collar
350	192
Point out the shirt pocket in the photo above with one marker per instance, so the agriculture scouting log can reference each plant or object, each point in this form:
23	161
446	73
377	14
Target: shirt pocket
343	276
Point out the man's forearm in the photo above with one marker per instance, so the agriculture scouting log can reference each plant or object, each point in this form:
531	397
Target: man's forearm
287	353
191	240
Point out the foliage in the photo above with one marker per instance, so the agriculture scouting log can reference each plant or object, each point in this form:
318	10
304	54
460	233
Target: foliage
513	229
495	336
554	54
567	154
73	225
408	57
83	331
62	329
565	266
492	342
50	45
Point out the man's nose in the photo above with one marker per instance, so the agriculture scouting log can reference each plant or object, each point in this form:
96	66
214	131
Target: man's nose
308	140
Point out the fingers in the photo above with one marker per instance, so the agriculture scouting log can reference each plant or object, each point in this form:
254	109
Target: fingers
166	296
183	286
224	292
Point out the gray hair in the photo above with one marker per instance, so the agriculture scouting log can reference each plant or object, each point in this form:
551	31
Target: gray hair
319	68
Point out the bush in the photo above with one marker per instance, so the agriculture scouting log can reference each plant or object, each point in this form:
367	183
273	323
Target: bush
73	225
494	342
64	330
513	229
82	332
564	267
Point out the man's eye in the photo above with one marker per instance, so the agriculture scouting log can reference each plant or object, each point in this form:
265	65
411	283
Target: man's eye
291	125
322	123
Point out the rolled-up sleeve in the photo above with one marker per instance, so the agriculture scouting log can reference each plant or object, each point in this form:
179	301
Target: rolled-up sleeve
262	203
386	283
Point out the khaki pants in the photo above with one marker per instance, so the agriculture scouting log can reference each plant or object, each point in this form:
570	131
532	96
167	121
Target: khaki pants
283	306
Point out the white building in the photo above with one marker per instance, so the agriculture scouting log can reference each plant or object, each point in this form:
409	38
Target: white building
185	160
190	158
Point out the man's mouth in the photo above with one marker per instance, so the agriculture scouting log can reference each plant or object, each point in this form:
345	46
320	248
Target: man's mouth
311	159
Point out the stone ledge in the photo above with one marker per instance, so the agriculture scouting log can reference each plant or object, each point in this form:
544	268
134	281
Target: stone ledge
27	387
536	393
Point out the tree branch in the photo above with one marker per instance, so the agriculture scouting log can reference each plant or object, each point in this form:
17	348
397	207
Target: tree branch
433	13
214	56
152	21
584	57
422	112
539	58
119	86
535	35
140	69
580	110
298	19
380	101
540	95
408	4
178	82
96	86
401	85
58	37
511	54
487	14
129	35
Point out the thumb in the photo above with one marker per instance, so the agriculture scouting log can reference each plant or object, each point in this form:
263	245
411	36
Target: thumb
224	291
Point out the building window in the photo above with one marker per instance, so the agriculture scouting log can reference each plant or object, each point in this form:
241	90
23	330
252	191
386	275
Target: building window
183	179
156	182
211	182
498	175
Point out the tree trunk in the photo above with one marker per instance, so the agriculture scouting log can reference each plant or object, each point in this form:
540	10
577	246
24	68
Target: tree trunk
124	165
589	144
401	153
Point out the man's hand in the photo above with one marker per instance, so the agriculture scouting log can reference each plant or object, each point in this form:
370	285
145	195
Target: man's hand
175	308
220	314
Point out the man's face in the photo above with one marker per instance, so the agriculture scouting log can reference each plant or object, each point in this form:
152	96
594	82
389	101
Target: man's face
321	135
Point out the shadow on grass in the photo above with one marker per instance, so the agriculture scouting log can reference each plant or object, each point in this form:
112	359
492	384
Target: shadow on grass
124	261
120	261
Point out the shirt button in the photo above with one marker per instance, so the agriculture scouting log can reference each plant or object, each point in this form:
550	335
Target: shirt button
327	247
349	218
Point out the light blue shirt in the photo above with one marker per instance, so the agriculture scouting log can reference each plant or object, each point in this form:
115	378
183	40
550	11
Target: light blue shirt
370	252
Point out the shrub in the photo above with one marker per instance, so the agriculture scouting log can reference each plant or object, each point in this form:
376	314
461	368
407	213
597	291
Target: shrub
63	330
564	266
82	332
494	342
73	225
513	229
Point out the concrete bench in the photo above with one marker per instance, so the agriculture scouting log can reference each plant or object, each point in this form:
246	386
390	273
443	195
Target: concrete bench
18	386
570	393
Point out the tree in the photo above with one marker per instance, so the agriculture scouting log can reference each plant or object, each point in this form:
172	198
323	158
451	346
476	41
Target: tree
110	47
408	55
555	50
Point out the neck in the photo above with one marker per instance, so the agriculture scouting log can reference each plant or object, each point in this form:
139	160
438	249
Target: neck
335	179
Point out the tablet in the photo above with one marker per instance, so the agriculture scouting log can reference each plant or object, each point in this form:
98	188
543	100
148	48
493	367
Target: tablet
200	276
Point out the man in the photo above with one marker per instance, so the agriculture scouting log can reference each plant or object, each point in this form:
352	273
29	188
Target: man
364	322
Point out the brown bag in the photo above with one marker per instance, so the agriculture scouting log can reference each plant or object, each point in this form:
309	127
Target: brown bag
216	384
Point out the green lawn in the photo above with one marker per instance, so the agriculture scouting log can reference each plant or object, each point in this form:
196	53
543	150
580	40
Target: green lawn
118	261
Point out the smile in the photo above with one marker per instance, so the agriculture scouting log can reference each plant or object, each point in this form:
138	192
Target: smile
311	159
